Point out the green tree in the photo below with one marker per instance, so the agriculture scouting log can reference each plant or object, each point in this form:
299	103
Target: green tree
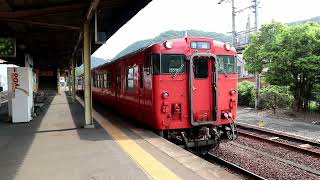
246	93
292	56
257	53
296	61
7	47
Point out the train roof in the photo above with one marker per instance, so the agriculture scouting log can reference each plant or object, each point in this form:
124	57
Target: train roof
216	43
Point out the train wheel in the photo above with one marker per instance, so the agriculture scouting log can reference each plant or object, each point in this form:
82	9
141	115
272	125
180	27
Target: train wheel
202	150
232	134
185	140
216	137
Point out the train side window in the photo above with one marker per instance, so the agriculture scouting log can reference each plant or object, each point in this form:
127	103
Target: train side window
140	77
200	68
155	63
119	77
147	65
105	80
94	80
101	80
98	79
109	80
130	75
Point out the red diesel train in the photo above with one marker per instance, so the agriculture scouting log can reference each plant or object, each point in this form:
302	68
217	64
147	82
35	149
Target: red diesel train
184	89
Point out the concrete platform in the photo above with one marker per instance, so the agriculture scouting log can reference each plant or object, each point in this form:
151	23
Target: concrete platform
55	146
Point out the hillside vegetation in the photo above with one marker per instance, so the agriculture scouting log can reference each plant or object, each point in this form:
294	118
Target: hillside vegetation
94	63
172	35
160	38
314	19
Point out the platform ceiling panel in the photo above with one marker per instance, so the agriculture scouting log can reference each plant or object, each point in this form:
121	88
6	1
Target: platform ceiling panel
50	29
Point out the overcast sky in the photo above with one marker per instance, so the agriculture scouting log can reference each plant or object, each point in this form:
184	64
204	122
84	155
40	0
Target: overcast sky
206	15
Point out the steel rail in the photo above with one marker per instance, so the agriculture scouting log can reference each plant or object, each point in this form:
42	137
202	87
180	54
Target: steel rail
289	162
285	136
215	159
283	144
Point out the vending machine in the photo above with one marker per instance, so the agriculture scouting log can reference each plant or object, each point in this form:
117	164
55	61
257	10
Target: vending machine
20	90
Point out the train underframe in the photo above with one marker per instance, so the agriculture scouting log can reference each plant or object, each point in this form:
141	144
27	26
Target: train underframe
201	140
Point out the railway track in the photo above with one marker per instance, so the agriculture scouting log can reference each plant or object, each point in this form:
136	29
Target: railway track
233	167
297	152
263	154
291	142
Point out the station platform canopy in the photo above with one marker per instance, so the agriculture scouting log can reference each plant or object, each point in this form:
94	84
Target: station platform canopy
51	30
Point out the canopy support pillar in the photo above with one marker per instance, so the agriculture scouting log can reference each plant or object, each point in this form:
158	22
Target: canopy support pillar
87	75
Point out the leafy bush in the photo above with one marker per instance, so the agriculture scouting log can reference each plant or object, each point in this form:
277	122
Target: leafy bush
246	95
272	97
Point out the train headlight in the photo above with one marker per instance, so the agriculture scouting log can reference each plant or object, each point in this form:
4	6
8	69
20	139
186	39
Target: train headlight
165	95
168	44
232	92
227	46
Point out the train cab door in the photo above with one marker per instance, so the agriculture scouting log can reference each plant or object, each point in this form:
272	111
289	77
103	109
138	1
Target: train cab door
202	90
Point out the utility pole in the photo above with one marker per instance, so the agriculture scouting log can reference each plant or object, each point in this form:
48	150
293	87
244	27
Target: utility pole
234	34
255	6
258	84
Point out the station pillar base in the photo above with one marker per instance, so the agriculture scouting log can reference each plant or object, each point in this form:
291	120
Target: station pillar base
88	126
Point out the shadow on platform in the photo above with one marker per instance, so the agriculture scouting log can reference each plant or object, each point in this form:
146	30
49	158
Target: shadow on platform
57	116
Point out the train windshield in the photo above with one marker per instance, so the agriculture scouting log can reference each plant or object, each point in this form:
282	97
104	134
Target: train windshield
169	64
227	64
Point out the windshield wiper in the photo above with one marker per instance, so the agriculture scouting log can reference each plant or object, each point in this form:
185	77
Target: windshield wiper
178	71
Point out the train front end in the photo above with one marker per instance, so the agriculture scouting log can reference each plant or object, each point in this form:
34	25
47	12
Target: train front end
198	96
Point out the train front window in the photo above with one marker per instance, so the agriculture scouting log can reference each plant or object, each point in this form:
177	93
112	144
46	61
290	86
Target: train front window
200	68
172	63
227	64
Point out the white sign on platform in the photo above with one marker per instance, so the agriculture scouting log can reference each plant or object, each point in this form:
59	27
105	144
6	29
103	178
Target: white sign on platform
20	87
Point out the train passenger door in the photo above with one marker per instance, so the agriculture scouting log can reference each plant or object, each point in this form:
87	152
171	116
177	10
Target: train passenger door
119	82
202	90
141	86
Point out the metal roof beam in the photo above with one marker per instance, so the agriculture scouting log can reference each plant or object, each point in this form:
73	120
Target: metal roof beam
48	25
4	5
44	11
77	45
92	9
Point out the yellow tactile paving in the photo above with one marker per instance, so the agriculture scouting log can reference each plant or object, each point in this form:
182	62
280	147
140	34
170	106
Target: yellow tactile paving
154	168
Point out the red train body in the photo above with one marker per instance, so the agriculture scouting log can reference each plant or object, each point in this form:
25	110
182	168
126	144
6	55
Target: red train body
155	86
